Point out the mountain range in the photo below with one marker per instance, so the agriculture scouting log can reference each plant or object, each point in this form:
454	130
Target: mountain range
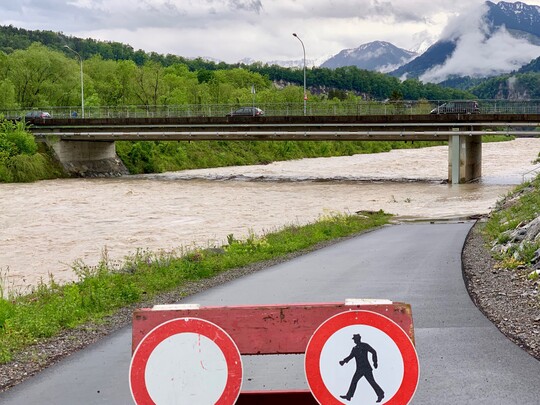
378	55
502	38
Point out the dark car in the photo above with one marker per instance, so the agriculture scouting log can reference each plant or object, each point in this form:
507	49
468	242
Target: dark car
246	112
457	107
37	114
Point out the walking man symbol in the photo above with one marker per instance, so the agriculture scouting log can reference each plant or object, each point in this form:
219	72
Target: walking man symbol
363	368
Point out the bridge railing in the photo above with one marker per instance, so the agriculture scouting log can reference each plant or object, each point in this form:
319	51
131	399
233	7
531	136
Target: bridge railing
315	108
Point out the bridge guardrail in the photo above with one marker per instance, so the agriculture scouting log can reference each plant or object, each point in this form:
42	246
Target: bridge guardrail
316	108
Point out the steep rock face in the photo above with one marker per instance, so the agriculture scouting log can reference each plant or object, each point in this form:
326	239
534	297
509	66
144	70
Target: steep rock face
378	55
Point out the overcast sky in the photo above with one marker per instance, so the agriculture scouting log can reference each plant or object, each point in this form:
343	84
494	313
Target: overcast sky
231	30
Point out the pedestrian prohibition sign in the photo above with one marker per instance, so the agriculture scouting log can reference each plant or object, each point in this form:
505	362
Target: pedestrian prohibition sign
385	368
183	361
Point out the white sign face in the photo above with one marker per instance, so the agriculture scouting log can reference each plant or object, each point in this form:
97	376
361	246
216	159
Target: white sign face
182	365
186	361
361	357
337	378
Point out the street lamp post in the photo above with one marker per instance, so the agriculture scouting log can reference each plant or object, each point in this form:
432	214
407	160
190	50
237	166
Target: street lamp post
305	94
82	80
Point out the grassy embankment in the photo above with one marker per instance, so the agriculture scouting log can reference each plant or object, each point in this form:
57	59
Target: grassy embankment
100	290
21	160
521	206
158	157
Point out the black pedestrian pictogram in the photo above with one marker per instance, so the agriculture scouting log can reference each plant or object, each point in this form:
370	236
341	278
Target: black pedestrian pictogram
363	368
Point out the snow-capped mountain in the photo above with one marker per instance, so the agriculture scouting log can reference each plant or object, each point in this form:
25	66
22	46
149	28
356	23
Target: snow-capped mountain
515	16
378	55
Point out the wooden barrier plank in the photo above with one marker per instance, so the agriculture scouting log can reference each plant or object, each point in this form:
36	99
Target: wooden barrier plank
270	329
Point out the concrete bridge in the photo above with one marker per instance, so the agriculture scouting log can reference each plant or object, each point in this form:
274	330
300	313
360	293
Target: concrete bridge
88	145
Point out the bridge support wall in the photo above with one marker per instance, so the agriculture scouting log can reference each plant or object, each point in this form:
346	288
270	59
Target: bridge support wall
464	158
88	159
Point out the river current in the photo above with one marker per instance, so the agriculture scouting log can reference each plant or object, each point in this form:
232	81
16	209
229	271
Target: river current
47	226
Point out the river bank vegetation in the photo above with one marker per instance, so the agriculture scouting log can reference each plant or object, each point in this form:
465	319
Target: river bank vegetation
158	157
21	160
105	288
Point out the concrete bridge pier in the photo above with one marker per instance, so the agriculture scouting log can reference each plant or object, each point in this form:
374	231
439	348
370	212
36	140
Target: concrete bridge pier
464	158
88	159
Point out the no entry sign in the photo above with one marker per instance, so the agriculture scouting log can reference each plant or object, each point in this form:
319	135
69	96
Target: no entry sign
361	357
186	361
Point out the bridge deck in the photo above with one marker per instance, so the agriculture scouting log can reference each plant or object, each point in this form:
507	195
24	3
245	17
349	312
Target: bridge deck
370	127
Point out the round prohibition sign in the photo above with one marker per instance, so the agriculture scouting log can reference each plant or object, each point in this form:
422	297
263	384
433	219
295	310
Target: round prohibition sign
318	365
183	360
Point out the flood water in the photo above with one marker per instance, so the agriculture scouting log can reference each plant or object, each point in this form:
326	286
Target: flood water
48	225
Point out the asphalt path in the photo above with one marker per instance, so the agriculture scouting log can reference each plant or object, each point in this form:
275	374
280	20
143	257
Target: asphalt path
464	359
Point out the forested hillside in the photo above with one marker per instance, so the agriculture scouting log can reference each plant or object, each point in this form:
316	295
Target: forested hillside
534	66
519	86
36	69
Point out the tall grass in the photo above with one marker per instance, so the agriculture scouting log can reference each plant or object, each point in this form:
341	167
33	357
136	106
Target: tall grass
21	158
520	205
100	290
157	157
28	168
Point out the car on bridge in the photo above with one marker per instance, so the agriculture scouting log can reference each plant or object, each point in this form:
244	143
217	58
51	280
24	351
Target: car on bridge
246	112
30	115
457	107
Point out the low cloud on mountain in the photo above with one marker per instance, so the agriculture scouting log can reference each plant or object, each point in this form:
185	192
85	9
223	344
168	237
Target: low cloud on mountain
479	53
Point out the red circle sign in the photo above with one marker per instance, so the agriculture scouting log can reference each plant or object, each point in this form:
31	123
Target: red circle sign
186	357
326	354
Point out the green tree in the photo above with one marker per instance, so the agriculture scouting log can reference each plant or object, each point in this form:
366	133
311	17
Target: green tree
38	75
149	84
126	71
7	95
182	84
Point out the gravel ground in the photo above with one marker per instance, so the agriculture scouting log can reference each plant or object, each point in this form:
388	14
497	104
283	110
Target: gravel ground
505	297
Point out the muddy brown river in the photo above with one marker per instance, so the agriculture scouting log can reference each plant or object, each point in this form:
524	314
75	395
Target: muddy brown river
47	226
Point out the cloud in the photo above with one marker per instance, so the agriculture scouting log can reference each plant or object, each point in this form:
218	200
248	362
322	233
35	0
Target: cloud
249	5
385	9
479	53
469	21
231	30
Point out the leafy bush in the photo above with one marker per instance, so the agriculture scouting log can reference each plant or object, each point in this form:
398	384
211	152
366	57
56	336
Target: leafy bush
20	158
15	140
7	309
